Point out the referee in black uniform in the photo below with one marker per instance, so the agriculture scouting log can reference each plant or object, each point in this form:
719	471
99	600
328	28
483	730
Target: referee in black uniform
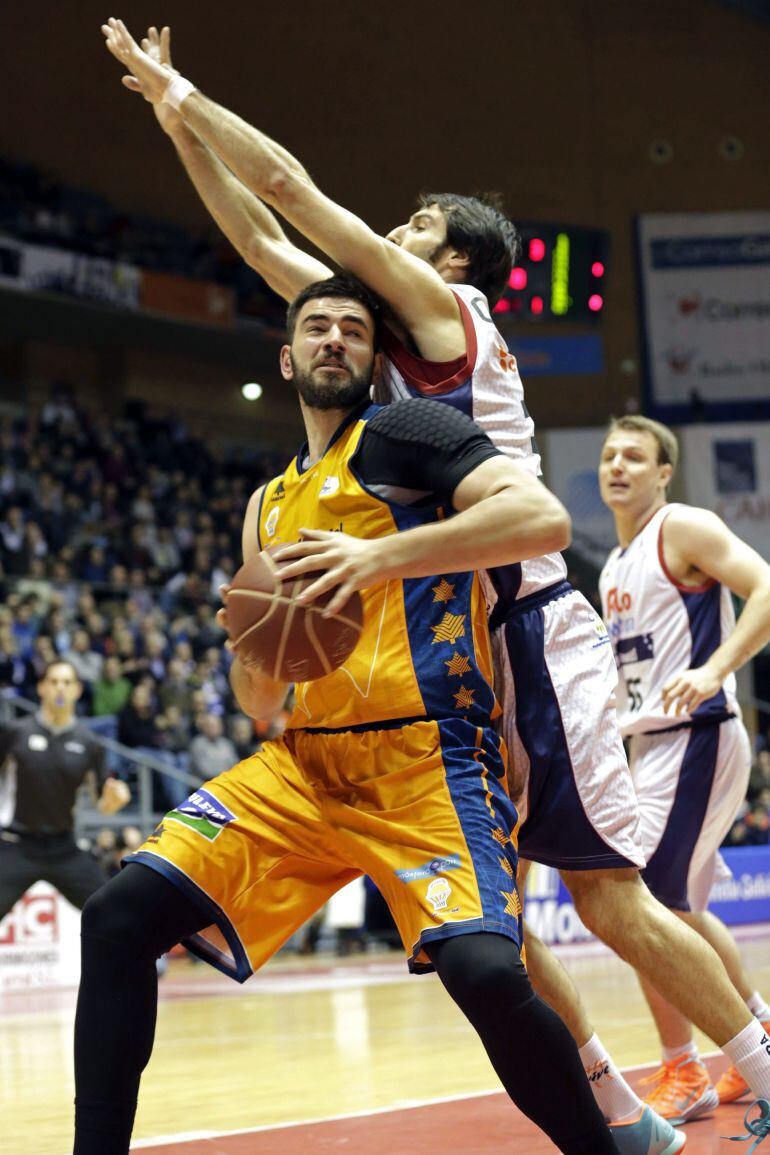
44	758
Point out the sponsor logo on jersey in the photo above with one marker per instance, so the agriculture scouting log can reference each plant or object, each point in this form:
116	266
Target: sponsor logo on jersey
618	602
203	813
430	869
330	486
438	893
279	492
637	649
271	521
38	742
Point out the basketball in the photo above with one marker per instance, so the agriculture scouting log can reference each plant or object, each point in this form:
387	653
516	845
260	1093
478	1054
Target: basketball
287	641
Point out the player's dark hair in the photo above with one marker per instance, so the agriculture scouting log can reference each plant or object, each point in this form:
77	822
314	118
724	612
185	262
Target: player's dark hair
57	662
478	226
342	285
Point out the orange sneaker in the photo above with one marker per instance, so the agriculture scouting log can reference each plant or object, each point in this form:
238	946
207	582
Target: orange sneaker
732	1086
683	1091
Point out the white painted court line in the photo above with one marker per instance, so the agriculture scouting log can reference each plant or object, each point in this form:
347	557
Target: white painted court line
400	1105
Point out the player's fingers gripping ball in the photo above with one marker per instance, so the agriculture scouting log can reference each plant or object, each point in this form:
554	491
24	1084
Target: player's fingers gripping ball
289	642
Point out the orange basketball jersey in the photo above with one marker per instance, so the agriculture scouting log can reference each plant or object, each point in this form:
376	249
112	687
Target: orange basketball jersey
424	650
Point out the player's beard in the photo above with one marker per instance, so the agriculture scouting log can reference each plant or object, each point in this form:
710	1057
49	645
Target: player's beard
332	394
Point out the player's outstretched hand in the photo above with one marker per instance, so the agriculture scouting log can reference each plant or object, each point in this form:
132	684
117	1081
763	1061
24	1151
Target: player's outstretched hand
685	692
348	563
157	45
148	76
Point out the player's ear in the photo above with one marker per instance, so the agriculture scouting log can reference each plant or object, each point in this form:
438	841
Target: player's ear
287	369
459	259
666	473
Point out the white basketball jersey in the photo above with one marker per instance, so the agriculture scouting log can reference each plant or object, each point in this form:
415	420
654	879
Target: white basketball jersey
485	385
660	628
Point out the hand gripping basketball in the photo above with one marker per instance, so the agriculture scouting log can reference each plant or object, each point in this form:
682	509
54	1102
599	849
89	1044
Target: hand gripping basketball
287	641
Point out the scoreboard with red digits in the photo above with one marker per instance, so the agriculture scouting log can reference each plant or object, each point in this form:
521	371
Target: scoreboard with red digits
561	275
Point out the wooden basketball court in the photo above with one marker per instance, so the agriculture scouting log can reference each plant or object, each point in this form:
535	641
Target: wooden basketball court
356	1057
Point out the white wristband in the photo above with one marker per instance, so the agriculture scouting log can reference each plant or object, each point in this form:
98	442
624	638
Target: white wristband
177	90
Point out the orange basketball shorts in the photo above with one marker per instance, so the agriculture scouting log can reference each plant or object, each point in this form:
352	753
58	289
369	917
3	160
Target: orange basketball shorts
422	809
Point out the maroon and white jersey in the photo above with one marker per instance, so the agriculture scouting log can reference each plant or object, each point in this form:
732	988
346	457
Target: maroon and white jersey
486	386
660	628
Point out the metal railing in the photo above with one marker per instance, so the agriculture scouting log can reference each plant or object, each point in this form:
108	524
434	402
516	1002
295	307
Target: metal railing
142	765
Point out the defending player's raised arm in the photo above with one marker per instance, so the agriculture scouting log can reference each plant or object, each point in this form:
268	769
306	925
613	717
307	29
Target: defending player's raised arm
411	287
698	544
250	226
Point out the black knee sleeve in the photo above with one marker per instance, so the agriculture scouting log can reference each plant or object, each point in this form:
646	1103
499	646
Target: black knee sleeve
140	912
532	1051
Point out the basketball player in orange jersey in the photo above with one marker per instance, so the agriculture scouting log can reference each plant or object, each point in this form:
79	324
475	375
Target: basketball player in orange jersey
666	599
582	815
389	765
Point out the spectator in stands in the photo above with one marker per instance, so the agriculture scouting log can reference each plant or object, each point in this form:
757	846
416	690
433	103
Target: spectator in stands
176	690
211	752
14	551
175	731
111	690
760	774
757	823
136	721
243	737
84	659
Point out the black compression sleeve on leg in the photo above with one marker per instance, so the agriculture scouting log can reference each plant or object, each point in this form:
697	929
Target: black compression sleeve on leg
126	926
529	1046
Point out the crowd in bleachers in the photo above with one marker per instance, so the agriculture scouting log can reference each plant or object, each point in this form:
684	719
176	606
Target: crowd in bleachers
40	209
115	536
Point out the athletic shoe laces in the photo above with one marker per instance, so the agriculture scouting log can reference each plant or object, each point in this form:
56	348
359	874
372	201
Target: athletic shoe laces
757	1129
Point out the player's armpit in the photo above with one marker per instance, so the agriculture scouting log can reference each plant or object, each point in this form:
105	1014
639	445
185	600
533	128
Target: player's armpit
697	542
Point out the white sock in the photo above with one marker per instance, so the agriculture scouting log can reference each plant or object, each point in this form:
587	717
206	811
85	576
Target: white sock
750	1053
614	1097
687	1051
758	1007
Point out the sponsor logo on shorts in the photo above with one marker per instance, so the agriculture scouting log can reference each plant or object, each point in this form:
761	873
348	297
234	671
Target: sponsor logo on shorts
438	893
430	869
204	814
157	832
602	637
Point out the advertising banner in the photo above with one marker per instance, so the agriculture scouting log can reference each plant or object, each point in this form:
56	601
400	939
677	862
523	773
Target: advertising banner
39	269
705	280
727	468
744	898
188	298
570	463
40	942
